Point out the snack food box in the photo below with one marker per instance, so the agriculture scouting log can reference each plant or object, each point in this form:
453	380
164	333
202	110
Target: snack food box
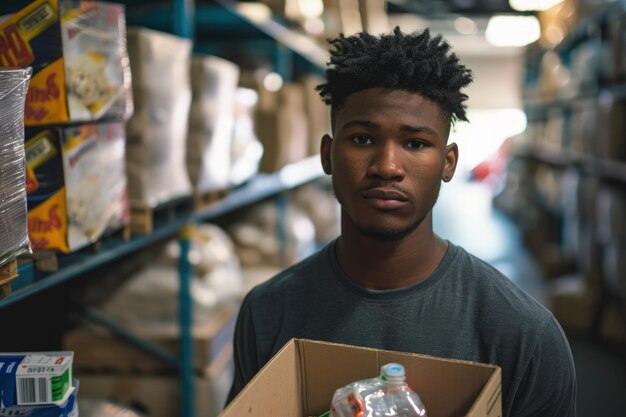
77	50
75	184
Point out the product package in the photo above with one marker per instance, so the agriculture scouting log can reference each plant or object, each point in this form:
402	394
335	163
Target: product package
35	378
157	132
383	396
69	408
77	50
13	225
211	122
76	184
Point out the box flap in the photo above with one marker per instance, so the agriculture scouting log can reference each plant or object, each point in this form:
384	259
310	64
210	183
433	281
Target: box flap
489	403
274	391
327	366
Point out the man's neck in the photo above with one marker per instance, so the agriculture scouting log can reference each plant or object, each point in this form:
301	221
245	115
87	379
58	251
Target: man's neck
381	265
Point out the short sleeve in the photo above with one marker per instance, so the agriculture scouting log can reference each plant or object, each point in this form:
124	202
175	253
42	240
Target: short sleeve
548	387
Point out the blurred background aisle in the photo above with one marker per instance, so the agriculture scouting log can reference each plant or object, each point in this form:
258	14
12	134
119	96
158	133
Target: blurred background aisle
465	215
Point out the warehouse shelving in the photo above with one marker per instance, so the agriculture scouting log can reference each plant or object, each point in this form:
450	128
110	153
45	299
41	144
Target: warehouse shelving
571	151
209	24
262	186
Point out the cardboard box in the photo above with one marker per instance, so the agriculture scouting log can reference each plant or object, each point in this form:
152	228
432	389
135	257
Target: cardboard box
301	378
97	349
75	184
283	131
78	54
574	304
318	114
158	395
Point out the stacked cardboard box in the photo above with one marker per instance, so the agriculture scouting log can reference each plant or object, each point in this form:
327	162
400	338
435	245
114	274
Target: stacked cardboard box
108	367
281	125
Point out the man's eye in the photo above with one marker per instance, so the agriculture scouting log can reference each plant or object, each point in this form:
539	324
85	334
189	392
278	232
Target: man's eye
362	140
415	144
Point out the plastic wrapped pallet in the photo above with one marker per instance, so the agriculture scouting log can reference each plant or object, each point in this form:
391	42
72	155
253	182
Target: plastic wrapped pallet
13	220
157	132
211	122
77	50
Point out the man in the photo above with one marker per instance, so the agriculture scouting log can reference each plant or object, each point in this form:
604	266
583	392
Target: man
388	281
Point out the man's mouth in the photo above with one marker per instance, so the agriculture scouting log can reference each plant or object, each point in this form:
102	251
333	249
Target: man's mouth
385	194
385	198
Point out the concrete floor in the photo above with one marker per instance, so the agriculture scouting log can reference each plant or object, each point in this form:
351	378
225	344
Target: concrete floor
464	215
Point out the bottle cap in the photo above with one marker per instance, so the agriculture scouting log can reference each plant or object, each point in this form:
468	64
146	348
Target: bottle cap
392	371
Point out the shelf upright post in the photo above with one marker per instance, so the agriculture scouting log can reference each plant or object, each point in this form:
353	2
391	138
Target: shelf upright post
283	62
185	316
183	26
183	18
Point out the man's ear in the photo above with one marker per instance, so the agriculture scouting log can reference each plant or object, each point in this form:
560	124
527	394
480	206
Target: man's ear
452	158
325	146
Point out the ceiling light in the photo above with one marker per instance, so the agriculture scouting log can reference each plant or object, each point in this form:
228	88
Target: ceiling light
273	82
512	30
529	5
465	26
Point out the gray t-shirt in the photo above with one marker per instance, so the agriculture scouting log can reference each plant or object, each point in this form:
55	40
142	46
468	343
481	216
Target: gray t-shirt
465	310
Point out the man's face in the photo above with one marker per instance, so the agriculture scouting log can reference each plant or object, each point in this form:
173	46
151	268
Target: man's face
387	160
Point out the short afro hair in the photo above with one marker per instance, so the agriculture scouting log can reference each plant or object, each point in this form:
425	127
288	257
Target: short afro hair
413	62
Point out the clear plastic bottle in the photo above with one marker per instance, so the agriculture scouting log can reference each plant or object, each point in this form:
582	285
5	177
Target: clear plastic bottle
383	396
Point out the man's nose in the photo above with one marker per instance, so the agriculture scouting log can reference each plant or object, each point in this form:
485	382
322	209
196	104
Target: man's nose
386	163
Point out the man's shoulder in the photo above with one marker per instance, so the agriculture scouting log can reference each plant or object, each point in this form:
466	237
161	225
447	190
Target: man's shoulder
498	293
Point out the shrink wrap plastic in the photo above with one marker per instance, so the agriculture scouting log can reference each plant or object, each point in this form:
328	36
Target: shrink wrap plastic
13	217
157	132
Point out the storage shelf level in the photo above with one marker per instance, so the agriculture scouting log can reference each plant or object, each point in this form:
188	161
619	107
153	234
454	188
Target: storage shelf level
260	187
600	167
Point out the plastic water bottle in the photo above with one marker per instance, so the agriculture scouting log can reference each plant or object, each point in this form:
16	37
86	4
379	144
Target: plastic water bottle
384	396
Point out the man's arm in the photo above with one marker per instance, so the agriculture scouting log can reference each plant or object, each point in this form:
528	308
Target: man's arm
244	352
548	387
